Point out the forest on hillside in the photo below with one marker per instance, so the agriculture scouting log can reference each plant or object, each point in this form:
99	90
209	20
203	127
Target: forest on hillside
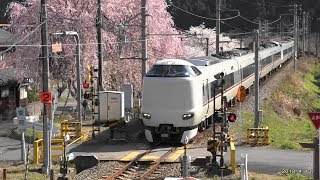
187	13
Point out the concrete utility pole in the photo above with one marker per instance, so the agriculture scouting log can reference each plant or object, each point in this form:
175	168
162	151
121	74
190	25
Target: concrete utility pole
295	36
317	45
143	38
45	86
266	28
280	30
260	27
100	46
298	32
100	55
304	34
307	34
207	46
256	80
217	25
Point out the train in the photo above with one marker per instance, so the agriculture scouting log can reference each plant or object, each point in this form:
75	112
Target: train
178	94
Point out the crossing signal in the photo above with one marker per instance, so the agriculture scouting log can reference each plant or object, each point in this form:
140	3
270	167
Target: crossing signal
232	117
85	85
86	95
217	118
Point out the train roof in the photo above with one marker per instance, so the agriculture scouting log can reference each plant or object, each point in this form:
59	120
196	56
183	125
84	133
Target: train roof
173	62
204	61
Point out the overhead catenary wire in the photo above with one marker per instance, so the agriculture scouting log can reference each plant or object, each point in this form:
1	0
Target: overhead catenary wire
222	22
268	4
249	20
275	21
202	17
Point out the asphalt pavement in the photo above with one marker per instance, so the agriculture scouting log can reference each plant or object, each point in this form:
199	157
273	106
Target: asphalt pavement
260	159
272	161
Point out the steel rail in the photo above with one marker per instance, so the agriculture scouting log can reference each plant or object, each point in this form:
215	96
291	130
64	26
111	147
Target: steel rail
157	163
127	166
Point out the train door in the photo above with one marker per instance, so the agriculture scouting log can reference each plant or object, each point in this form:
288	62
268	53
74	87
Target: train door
205	95
237	76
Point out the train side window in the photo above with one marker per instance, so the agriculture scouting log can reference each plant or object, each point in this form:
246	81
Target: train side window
229	80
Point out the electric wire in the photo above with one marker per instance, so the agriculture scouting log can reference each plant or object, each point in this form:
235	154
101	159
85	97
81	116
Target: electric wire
222	22
267	4
29	34
249	20
275	21
205	17
116	42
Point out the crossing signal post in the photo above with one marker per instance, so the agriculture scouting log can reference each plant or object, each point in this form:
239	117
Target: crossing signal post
92	95
86	97
219	141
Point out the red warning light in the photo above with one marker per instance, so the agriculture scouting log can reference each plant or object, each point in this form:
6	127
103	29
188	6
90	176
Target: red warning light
232	117
85	85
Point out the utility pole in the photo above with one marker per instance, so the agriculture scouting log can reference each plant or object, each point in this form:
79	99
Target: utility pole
143	38
100	56
295	37
100	49
260	27
45	86
280	30
207	46
304	34
317	44
267	30
217	26
307	34
298	32
256	80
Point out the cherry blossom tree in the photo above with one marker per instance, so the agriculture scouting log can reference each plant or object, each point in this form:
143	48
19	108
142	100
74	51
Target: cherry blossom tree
197	43
80	16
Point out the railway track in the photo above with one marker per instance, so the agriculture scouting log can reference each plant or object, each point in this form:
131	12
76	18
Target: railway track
148	170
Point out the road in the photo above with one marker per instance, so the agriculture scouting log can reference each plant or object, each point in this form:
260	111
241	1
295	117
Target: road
260	159
272	161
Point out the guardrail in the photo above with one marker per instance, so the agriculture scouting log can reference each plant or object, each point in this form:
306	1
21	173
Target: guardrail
258	136
38	149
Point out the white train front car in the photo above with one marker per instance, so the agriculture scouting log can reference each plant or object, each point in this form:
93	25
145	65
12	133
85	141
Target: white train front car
170	110
178	95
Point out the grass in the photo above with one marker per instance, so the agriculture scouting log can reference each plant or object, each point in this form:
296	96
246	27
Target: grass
285	112
16	171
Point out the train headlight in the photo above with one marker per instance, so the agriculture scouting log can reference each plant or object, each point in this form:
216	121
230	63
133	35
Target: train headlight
146	115
187	116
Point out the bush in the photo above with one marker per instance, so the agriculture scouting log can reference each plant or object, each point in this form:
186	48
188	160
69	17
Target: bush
33	96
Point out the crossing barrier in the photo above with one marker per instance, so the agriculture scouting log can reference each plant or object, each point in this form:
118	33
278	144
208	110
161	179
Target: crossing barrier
56	149
258	136
73	129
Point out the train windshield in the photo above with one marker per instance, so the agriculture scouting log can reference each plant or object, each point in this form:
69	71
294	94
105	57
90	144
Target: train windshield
172	71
